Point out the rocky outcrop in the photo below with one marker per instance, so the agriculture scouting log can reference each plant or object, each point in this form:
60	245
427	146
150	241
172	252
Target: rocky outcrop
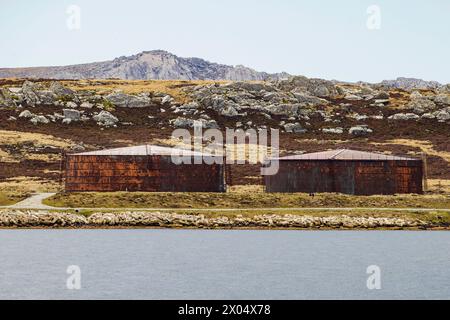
410	84
296	104
26	219
314	87
420	104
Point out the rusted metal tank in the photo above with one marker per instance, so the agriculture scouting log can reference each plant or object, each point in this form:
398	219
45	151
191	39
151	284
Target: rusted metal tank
141	168
346	171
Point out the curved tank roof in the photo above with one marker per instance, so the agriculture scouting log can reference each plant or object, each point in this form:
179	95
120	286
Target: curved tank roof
344	154
142	150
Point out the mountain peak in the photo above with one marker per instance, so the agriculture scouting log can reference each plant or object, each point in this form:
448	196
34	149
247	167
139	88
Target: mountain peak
146	65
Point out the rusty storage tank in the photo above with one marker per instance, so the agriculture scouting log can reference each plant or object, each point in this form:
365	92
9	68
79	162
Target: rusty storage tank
346	171
142	168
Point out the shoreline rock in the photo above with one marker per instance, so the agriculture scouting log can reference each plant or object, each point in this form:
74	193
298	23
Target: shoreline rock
46	219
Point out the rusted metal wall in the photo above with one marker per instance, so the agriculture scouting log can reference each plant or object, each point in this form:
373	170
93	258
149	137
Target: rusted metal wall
140	173
359	177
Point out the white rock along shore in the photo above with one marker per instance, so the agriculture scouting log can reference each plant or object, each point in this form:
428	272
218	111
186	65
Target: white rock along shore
49	219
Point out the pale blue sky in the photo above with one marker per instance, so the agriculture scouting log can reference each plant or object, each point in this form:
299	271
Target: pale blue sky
327	39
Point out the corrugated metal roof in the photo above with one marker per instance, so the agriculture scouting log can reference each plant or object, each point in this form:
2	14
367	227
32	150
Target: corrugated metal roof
344	154
143	150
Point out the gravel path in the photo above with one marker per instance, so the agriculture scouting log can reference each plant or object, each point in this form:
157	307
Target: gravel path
33	202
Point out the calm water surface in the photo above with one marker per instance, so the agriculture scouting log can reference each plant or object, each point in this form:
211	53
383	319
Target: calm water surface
201	264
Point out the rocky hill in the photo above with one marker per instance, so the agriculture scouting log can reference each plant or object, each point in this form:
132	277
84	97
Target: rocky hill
39	119
410	83
157	64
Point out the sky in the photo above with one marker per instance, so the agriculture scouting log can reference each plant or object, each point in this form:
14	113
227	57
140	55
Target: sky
347	40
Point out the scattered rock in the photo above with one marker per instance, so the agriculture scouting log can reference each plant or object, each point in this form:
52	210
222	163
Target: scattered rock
123	100
337	130
71	105
404	116
29	91
39	119
167	99
421	105
443	115
26	114
442	99
71	114
105	119
294	128
61	91
6	99
283	109
352	97
360	130
182	122
87	105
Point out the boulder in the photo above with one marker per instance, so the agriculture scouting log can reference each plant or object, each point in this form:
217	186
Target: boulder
443	115
382	95
26	114
360	130
6	99
105	119
123	100
444	89
87	105
46	97
415	95
229	111
61	91
29	91
167	99
71	105
337	130
182	122
352	97
428	115
294	128
404	116
305	98
442	99
39	119
421	105
73	115
283	109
